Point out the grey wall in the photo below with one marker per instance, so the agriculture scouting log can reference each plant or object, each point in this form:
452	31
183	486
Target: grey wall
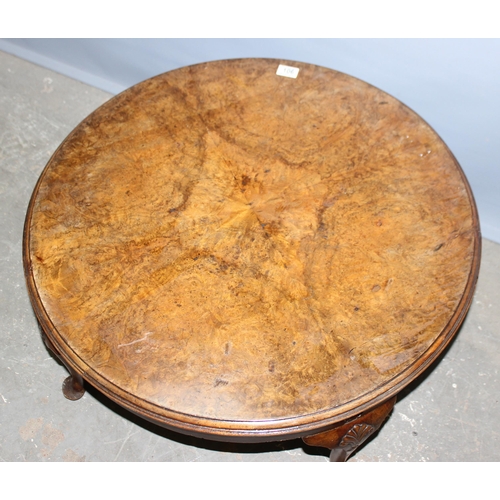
454	84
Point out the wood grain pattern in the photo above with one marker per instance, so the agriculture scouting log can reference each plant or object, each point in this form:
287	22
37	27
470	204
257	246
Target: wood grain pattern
227	251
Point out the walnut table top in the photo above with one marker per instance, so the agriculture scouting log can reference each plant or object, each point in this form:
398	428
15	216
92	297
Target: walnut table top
238	254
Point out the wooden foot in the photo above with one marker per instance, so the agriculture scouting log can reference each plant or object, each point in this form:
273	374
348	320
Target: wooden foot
344	439
72	386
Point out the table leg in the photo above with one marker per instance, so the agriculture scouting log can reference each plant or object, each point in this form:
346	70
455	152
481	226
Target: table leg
72	387
344	439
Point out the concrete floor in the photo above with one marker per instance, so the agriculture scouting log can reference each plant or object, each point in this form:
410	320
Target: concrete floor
450	414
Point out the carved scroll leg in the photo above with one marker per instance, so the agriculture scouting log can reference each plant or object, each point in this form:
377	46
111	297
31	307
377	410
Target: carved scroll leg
346	438
72	386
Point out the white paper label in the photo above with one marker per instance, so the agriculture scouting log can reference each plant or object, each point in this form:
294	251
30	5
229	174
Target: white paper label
288	71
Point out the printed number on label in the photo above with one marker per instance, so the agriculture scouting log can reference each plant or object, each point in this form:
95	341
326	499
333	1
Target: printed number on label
288	71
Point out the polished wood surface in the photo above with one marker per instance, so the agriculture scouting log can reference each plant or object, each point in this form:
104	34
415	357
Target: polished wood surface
238	254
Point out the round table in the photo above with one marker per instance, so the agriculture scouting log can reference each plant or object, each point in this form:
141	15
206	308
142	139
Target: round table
252	250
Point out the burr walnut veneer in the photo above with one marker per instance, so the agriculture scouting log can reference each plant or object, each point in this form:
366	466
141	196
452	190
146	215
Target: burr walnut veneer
245	256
